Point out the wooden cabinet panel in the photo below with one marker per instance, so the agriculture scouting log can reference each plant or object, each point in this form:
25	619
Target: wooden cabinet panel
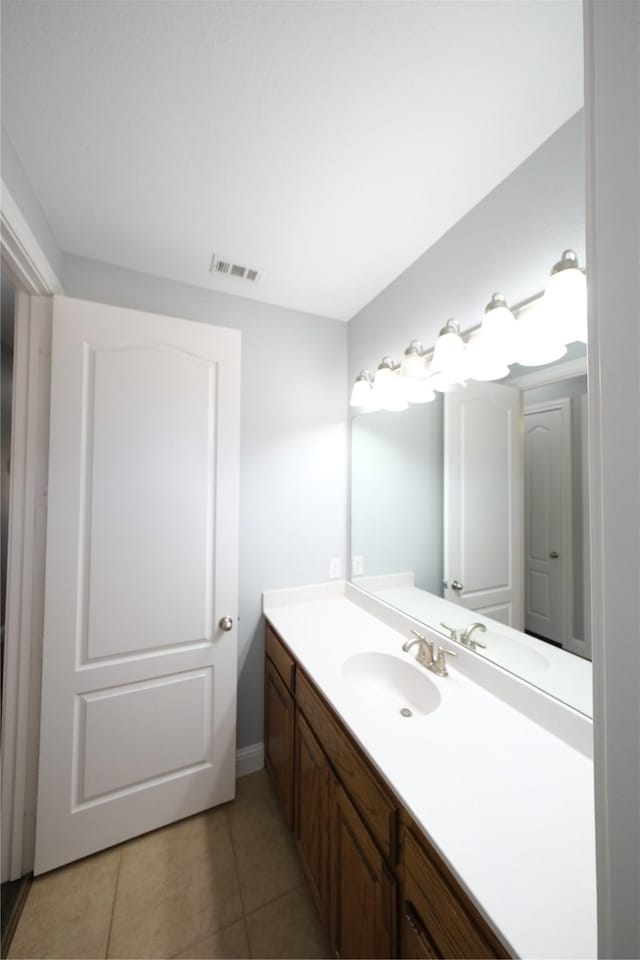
363	921
374	803
415	943
279	656
312	814
454	925
279	719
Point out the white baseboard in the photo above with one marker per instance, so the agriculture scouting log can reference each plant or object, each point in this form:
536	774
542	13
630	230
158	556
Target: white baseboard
249	759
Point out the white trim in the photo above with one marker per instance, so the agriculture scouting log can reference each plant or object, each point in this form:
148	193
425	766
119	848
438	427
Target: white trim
25	581
612	134
249	759
20	249
551	374
584	645
564	406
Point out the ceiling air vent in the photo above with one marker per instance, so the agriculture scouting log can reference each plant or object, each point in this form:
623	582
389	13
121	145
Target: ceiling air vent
229	269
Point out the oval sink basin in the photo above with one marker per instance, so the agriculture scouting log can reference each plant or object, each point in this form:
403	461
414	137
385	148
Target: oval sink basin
391	685
511	653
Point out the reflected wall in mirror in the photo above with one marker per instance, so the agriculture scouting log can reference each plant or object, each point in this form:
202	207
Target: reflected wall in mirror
472	509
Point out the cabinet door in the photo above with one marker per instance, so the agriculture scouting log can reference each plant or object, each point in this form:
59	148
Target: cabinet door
414	940
363	890
312	815
279	718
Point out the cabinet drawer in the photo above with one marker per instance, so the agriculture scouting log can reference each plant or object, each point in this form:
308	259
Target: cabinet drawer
283	662
452	923
374	804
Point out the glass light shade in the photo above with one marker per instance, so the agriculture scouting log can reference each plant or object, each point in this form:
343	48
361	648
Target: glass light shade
361	394
499	329
539	340
449	363
418	391
566	299
485	362
414	364
388	388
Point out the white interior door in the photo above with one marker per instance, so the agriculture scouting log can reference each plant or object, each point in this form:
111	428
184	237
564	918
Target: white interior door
548	520
483	493
139	681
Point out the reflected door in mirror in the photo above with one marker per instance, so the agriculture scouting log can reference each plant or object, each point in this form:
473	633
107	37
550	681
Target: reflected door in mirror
483	512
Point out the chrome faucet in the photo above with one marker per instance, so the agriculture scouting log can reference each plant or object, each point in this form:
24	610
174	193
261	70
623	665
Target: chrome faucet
425	655
467	636
425	649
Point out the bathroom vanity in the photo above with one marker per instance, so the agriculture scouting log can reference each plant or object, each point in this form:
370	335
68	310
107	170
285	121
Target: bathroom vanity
434	816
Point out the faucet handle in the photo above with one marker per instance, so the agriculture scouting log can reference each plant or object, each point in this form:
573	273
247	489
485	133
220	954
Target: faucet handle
418	636
441	663
453	631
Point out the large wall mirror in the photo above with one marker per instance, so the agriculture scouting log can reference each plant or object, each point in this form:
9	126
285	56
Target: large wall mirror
472	509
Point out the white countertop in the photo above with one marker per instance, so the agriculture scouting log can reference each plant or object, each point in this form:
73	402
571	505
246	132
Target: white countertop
508	805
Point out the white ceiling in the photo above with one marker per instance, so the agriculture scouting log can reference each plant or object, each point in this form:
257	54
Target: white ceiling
328	144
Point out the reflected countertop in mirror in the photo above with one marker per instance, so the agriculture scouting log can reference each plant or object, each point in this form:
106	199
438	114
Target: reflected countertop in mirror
472	508
566	677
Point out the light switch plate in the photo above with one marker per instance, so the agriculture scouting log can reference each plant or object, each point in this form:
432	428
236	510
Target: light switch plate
335	568
357	566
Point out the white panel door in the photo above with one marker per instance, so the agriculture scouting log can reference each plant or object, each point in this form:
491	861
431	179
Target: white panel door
139	680
548	520
483	520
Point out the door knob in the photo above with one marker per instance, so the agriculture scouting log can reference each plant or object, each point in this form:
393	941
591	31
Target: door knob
226	623
554	554
456	585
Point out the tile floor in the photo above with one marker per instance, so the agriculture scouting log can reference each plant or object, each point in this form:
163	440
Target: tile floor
225	883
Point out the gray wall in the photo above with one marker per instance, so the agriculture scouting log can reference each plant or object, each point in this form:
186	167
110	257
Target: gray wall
293	442
508	242
396	477
15	179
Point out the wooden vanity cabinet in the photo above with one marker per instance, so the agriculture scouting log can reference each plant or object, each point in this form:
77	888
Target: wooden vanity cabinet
314	783
279	713
364	894
438	918
381	891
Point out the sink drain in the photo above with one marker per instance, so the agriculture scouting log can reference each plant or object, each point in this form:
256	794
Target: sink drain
405	712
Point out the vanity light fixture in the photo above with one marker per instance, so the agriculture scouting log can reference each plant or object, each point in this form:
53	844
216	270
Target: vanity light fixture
414	362
499	330
539	337
387	387
545	325
449	366
414	374
565	298
484	362
362	392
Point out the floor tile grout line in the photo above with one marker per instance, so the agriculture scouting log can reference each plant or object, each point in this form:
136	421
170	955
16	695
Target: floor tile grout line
237	869
268	903
113	905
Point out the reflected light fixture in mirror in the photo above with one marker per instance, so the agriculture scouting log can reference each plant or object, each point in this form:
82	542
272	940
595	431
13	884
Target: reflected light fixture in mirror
566	298
540	337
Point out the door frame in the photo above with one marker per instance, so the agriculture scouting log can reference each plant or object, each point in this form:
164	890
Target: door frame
36	281
564	406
